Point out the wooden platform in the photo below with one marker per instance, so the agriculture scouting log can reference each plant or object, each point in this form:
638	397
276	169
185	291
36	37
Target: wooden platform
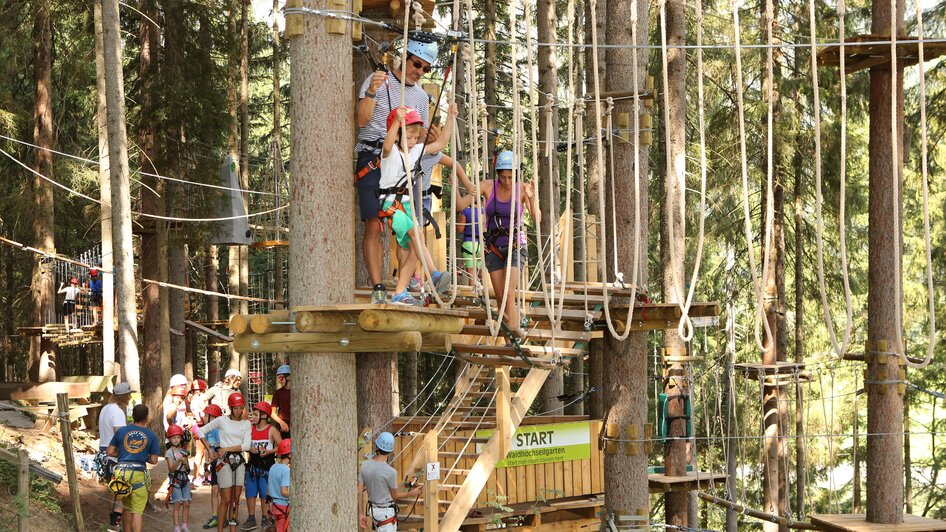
860	57
858	523
693	480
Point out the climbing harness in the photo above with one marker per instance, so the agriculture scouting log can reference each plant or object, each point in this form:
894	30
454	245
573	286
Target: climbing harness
104	466
121	484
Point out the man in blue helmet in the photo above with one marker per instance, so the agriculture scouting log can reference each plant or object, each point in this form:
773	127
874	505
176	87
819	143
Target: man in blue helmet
280	403
380	481
379	94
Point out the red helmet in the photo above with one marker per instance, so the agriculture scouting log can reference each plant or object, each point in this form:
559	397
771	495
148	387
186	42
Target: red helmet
73	281
412	117
236	399
94	272
213	410
174	430
263	407
284	447
199	384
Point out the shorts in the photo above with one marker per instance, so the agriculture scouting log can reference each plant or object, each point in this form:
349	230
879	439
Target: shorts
181	494
68	307
256	485
281	514
494	262
96	299
382	514
368	202
213	474
401	223
227	477
471	254
136	501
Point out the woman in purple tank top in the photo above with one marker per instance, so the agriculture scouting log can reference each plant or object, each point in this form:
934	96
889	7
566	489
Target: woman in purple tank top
501	239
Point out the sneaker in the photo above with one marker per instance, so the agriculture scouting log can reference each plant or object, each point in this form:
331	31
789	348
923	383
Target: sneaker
211	523
414	283
184	527
177	528
232	523
115	519
250	523
404	298
441	282
379	295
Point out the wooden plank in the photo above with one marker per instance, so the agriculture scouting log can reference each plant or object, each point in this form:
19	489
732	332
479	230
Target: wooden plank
858	523
532	350
23	488
431	511
521	494
514	362
355	341
97	383
44	392
537	333
567	480
398	308
660	483
65	428
208	331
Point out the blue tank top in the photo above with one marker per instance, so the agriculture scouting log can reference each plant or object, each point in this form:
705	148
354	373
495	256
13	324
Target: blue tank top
472	221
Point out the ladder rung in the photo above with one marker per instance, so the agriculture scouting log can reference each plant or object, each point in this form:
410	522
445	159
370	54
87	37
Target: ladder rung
469	454
450	486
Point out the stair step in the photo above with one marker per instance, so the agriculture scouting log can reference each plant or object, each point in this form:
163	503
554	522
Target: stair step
538	333
493	379
473	408
514	362
531	350
450	486
464	439
454	454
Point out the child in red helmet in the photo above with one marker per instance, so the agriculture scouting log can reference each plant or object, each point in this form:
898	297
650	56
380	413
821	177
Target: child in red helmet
69	317
235	437
396	208
210	413
264	440
279	485
195	408
179	478
95	294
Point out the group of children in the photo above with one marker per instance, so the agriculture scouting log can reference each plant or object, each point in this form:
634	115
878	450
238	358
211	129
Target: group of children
74	291
213	440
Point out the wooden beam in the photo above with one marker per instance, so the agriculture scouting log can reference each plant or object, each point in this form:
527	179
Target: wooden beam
45	392
97	383
239	324
325	322
503	397
432	487
277	321
355	341
208	331
23	489
437	343
65	428
385	321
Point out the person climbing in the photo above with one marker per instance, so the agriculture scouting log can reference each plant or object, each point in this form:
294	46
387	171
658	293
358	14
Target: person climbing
212	443
469	222
264	440
379	480
219	393
279	477
178	477
69	316
195	409
280	403
135	446
372	118
396	206
111	418
95	294
500	239
235	433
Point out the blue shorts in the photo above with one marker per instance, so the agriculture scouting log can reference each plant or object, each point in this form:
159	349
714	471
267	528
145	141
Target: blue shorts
182	494
368	186
256	481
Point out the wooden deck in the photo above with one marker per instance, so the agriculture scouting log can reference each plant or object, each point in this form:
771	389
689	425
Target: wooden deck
858	523
860	57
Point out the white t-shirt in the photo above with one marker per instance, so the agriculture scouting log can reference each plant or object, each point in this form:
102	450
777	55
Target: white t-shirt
393	169
231	432
71	292
110	418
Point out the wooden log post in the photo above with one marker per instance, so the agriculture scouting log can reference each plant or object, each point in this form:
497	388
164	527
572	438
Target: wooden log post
239	324
355	341
278	321
312	322
380	321
23	488
65	428
432	487
503	397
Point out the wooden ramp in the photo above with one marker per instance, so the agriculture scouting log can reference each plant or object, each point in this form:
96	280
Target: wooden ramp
858	523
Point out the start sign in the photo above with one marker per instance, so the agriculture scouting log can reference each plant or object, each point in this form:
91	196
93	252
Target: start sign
544	444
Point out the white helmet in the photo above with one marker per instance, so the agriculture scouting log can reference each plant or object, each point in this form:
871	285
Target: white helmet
233	373
178	380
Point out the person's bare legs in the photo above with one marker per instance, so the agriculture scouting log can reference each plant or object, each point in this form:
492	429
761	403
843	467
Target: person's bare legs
498	280
131	522
371	247
223	509
235	506
405	268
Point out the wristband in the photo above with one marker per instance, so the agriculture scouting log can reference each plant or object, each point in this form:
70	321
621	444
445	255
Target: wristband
369	94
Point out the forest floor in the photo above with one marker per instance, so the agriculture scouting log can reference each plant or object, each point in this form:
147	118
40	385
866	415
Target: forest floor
50	506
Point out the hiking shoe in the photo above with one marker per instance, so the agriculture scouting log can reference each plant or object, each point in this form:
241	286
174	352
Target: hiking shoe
414	283
211	523
404	298
379	295
232	523
184	528
250	523
115	519
441	282
177	528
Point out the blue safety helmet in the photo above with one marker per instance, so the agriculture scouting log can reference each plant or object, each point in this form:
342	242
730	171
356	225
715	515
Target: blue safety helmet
283	370
385	442
426	51
504	161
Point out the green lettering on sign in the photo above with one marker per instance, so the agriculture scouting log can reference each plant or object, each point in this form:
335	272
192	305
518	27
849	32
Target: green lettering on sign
545	444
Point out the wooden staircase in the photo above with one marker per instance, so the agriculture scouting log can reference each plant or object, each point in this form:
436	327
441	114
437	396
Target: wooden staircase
487	397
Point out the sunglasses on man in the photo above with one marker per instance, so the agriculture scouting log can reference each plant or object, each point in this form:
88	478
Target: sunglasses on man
420	65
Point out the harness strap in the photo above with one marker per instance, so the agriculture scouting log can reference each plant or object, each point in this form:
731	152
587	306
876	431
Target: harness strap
367	169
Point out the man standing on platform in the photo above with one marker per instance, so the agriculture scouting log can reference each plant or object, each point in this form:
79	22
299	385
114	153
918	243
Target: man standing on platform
380	94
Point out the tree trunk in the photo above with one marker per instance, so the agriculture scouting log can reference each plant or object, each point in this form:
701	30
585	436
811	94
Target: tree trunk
625	381
907	460
213	312
121	197
377	386
280	258
321	272
800	441
548	190
673	250
575	386
489	74
728	389
152	239
105	197
407	385
233	136
884	410
244	152
176	302
42	362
